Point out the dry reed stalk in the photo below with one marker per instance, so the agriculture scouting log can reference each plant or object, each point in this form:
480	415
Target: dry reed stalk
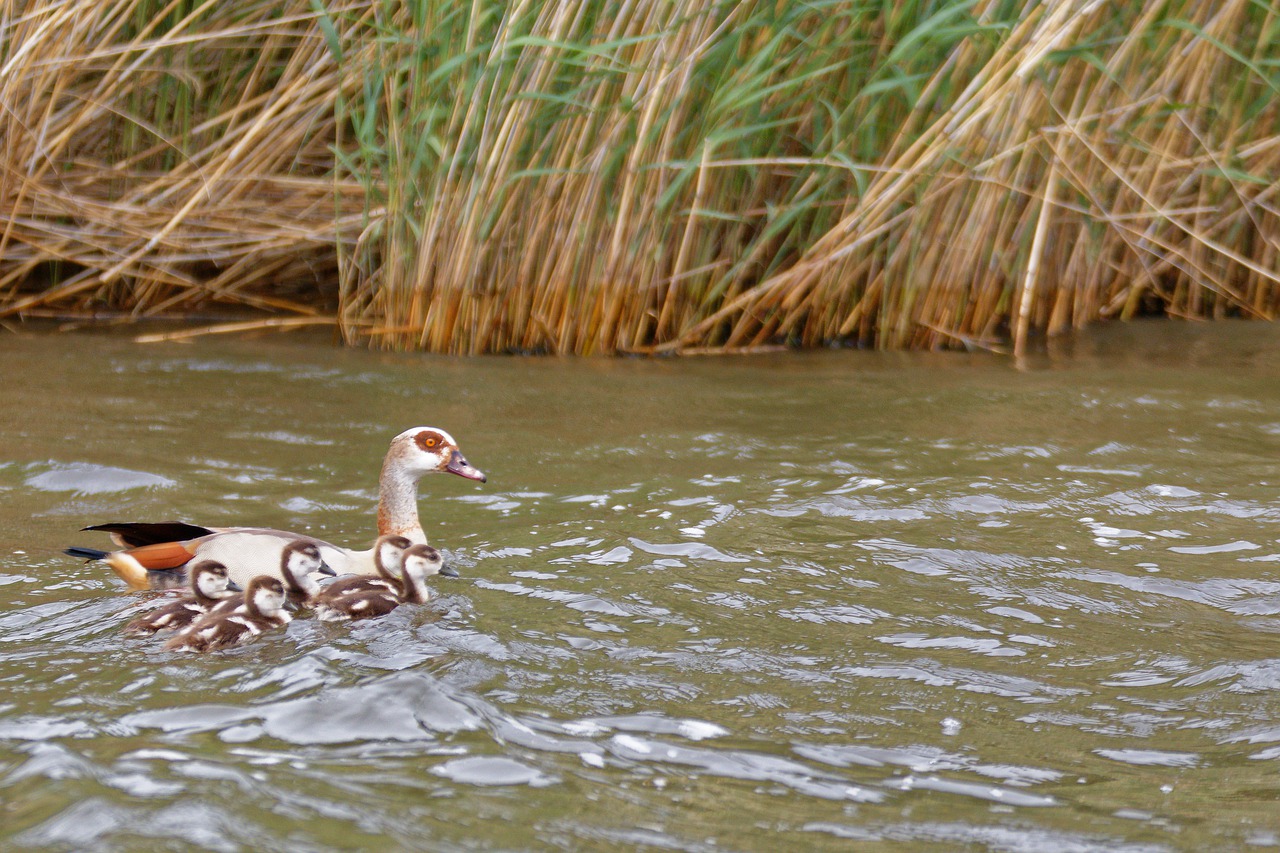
273	323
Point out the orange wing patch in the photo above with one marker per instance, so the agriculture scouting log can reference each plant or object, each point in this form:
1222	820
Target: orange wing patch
165	555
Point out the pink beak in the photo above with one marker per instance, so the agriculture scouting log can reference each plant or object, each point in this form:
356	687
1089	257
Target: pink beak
460	466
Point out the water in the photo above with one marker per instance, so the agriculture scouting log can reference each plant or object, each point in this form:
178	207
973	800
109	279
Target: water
790	602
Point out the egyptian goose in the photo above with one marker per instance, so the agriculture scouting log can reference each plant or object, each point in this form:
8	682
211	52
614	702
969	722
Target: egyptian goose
251	551
209	586
263	610
374	599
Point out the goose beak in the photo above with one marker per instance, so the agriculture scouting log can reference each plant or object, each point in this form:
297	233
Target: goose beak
290	604
232	586
460	466
326	570
449	572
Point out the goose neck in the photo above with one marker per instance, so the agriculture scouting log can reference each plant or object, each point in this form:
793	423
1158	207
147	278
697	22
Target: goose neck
398	503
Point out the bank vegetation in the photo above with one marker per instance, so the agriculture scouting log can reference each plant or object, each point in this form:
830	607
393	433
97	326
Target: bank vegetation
641	176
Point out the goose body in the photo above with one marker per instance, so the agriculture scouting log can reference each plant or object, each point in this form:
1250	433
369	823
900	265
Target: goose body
367	598
299	560
209	586
263	610
251	551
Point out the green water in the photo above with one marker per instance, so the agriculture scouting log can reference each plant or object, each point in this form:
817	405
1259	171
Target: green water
820	601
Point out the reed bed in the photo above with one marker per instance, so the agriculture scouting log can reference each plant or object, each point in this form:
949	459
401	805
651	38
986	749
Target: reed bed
577	177
157	158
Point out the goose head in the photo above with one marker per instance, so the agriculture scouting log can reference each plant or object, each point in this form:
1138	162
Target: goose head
427	450
388	555
265	596
209	580
298	561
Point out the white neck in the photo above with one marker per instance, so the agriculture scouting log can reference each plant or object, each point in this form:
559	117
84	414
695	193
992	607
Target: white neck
205	595
414	585
398	503
304	584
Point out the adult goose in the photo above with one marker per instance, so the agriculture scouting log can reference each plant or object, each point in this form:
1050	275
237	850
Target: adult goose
252	551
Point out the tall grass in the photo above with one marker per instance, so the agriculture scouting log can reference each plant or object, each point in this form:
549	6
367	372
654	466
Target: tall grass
581	182
644	176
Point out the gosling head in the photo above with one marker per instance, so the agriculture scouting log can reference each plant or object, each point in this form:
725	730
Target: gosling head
420	563
423	561
265	596
298	561
209	580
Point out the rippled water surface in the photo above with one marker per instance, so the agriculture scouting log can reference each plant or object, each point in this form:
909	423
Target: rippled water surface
821	601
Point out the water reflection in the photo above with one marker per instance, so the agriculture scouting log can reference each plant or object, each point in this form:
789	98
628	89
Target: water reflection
915	600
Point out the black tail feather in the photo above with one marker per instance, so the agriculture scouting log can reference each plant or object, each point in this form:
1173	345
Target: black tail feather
86	553
137	534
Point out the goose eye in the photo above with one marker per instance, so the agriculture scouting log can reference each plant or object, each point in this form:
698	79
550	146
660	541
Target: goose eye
430	442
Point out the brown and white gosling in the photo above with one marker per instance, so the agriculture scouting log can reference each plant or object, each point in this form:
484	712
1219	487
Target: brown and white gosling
263	610
374	599
300	560
209	586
